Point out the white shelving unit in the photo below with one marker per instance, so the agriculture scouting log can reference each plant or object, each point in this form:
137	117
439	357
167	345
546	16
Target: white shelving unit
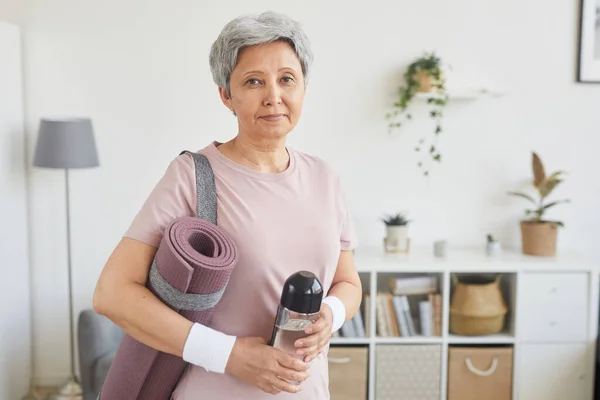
551	325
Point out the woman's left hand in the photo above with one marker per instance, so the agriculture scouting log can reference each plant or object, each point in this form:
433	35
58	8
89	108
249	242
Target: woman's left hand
319	334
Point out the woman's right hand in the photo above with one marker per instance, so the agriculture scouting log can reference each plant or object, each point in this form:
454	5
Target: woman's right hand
253	361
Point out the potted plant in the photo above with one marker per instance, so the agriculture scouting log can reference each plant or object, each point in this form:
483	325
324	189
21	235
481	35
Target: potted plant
424	75
396	232
493	247
538	234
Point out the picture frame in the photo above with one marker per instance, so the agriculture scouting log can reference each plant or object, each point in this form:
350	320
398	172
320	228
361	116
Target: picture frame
588	63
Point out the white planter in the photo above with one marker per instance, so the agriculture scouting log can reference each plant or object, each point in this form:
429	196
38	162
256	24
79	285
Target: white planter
397	237
493	248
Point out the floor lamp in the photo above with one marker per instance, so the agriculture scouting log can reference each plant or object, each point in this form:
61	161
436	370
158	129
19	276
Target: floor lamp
67	143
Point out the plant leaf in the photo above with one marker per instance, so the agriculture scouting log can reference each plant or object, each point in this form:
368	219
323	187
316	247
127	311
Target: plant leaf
548	186
525	196
539	175
555	203
555	175
557	223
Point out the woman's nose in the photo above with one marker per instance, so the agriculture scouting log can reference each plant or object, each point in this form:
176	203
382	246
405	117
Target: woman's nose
272	95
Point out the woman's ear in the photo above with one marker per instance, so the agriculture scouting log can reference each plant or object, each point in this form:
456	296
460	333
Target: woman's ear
226	99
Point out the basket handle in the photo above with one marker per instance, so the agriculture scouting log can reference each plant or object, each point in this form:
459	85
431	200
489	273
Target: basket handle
455	280
479	372
340	360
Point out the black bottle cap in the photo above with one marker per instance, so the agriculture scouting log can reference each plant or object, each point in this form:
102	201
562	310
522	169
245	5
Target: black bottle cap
302	293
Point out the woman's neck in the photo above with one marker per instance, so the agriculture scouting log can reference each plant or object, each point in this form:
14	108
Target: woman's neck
265	156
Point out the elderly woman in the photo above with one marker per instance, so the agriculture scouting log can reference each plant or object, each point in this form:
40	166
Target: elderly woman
285	210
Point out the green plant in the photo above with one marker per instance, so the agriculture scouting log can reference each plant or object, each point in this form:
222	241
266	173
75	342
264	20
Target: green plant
430	65
544	186
490	238
395	220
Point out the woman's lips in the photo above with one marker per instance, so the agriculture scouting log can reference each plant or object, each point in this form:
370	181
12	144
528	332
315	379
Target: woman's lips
273	117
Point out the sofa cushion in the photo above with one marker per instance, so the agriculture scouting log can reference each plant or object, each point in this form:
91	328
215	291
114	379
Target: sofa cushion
101	370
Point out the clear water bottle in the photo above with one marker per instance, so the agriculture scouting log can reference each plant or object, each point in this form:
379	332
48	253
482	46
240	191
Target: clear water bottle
299	307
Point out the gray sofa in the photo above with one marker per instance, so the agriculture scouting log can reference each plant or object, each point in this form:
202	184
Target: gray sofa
98	341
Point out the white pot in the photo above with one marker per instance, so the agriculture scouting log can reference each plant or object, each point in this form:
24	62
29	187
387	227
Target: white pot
397	236
494	248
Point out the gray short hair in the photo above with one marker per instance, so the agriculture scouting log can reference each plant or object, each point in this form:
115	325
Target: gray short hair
255	30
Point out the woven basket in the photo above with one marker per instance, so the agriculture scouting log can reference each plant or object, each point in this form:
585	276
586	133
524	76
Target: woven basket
477	306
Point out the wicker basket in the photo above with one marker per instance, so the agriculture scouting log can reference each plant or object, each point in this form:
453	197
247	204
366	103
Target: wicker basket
477	306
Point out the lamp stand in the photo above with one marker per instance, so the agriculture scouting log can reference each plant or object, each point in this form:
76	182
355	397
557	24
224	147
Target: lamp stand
71	389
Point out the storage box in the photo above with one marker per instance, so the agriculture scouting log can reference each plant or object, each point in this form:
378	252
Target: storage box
476	373
348	372
408	372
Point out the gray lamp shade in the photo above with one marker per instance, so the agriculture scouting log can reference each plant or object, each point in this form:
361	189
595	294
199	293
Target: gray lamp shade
66	143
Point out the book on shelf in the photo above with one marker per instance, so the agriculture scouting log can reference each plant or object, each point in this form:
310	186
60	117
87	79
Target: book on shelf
409	315
407	285
397	315
356	327
435	301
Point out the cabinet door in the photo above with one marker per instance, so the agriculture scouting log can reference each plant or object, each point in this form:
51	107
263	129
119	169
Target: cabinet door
553	372
553	307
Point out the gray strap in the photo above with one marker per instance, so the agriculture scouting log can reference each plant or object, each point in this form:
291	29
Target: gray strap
207	210
206	191
181	300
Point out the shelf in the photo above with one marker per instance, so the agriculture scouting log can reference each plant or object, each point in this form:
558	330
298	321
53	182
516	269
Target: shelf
529	286
349	340
470	259
461	94
487	339
408	340
451	339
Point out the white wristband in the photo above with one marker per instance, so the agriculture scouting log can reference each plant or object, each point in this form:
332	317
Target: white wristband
338	310
208	348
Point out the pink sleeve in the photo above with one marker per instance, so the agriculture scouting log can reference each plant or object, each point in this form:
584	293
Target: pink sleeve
348	237
174	196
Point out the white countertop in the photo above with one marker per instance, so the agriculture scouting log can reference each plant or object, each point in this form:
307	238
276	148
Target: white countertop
421	259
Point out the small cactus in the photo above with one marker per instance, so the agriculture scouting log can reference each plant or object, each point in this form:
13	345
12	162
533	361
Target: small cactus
395	220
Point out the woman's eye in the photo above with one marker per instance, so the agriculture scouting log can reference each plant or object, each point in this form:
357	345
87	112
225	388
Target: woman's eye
288	79
253	81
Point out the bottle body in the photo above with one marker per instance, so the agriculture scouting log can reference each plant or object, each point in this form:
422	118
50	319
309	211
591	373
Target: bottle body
299	306
289	327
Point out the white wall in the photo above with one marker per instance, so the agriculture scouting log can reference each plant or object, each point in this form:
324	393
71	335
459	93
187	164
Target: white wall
140	69
15	304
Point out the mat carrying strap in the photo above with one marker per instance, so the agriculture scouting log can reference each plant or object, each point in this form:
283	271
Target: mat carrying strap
206	194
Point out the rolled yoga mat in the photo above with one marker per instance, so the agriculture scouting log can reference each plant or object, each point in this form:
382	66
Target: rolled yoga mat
189	273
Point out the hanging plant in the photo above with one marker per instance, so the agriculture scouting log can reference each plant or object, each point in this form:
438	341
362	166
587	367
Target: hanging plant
424	75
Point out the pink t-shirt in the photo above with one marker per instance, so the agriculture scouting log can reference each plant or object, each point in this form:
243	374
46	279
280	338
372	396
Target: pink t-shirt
282	223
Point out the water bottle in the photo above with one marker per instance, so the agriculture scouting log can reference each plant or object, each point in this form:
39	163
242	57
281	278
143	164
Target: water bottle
299	307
